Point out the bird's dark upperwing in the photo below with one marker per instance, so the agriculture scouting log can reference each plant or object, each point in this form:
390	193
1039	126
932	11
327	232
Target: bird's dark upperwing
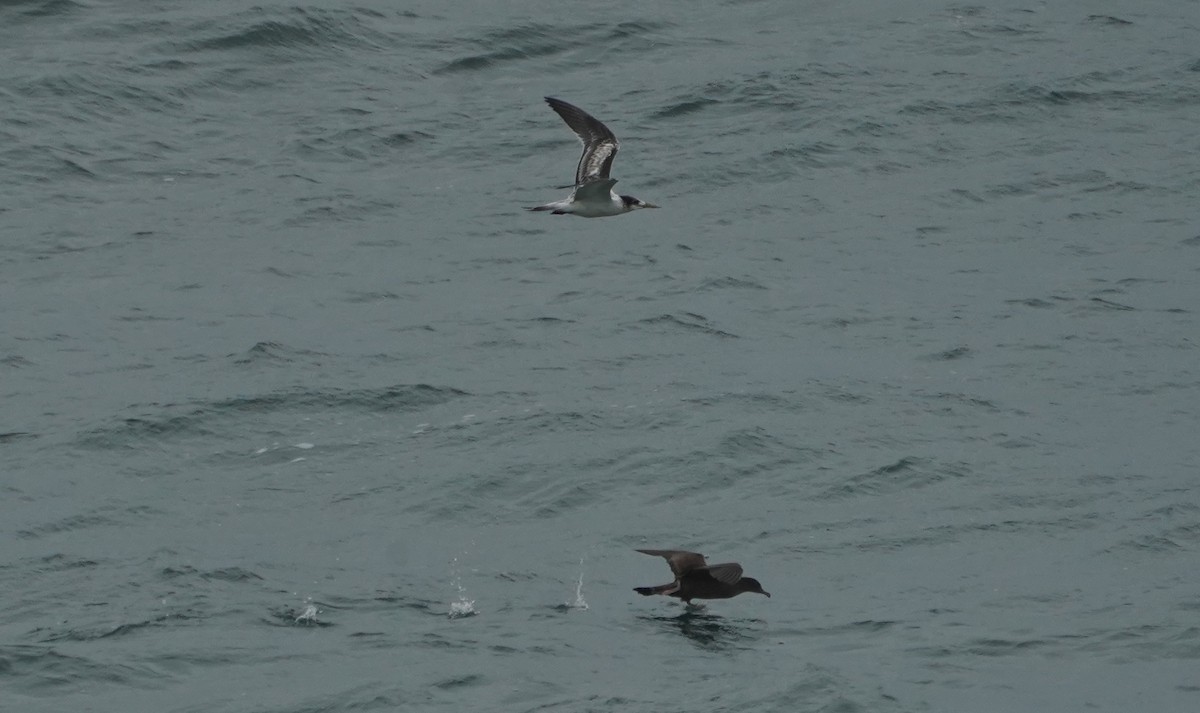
681	561
727	572
599	143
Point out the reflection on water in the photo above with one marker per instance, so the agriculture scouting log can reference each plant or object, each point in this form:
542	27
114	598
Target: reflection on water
706	629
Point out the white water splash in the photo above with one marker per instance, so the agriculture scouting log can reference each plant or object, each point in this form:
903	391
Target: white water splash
463	606
580	602
309	615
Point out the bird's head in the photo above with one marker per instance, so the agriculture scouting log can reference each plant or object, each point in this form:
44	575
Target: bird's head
633	203
750	584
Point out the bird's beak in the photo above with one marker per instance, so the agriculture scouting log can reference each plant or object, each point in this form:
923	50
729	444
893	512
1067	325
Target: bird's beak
768	594
648	205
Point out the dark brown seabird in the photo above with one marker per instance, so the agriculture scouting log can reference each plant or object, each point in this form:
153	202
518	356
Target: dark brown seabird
695	578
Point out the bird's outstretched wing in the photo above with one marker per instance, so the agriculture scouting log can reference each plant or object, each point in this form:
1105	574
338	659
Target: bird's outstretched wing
599	143
598	190
681	561
727	572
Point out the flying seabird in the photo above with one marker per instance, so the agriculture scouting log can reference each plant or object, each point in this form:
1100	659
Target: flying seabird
592	195
695	578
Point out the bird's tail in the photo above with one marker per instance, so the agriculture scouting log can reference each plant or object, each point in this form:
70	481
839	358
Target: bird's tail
660	589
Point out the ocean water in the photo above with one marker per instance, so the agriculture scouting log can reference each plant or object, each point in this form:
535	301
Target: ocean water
304	412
